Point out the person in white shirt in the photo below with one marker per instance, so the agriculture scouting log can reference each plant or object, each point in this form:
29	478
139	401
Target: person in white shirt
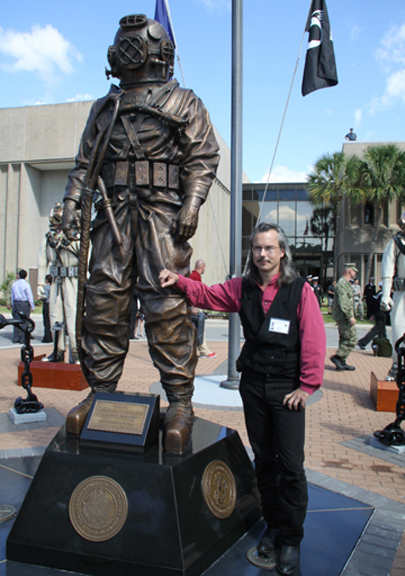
22	300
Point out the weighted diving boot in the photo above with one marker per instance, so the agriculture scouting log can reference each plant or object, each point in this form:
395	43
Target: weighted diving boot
77	416
179	420
74	356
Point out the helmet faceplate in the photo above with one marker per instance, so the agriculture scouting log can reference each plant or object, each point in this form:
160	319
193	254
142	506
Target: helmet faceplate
142	51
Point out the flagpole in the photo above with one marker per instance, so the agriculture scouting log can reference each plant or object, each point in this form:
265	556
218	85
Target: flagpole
175	42
232	381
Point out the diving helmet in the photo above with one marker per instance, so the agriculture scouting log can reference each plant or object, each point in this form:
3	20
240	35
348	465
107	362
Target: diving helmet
55	216
142	51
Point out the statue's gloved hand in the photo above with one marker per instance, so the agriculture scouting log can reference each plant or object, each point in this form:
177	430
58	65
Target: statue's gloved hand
41	291
70	223
185	225
386	303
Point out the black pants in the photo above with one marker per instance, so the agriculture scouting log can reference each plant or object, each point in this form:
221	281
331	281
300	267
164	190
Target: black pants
277	437
47	324
20	306
379	329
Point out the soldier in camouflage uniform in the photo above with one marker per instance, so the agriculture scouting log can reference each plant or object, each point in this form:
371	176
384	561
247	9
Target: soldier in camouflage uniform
343	314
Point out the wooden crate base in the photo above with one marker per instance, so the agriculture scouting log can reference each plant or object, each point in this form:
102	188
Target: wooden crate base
383	394
54	375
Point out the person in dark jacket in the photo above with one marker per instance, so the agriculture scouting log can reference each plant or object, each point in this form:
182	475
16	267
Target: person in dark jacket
380	317
369	292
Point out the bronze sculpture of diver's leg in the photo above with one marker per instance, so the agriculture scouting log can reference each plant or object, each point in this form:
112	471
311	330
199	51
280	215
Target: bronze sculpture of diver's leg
147	247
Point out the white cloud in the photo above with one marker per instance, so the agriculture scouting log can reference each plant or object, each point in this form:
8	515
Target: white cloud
391	55
80	98
354	32
283	174
43	51
217	4
358	115
394	92
392	46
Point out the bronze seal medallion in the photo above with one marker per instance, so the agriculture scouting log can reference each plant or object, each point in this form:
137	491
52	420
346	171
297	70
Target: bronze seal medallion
219	489
98	508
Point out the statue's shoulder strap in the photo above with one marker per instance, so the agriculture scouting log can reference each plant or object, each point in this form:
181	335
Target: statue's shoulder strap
159	98
398	241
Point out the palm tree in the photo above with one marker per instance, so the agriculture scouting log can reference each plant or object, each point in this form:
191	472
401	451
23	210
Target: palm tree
329	181
380	178
323	221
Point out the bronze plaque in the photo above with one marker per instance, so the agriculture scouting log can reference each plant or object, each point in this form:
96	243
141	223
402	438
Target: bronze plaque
120	417
219	489
98	508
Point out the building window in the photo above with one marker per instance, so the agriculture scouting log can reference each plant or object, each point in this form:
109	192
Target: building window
368	213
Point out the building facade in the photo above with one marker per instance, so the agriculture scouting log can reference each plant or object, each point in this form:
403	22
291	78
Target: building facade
310	230
357	225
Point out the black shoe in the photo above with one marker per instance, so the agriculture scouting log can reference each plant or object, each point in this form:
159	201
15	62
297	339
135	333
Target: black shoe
289	559
347	367
268	542
74	356
392	374
60	357
361	346
338	362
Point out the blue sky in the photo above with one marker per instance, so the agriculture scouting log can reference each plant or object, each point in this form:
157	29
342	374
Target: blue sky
55	52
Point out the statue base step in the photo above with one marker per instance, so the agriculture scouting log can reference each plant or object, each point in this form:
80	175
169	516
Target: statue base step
383	394
54	375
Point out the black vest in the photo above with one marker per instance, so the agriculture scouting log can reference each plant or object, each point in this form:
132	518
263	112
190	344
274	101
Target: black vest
266	351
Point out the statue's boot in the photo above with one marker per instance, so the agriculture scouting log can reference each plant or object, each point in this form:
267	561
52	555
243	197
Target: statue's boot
77	416
74	356
178	420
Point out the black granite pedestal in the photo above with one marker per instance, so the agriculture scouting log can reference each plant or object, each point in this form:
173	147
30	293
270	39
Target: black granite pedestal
169	527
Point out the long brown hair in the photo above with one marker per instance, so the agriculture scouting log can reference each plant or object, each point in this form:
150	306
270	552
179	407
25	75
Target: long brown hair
287	274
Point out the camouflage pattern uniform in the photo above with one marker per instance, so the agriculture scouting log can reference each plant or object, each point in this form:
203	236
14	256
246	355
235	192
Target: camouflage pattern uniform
343	312
358	302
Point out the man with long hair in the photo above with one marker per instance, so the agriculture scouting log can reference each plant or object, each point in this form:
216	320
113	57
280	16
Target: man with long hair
282	363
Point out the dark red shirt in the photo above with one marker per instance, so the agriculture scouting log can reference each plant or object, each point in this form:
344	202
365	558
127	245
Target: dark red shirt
226	297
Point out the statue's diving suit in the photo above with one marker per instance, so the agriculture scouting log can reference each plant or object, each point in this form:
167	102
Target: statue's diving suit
59	257
158	167
393	276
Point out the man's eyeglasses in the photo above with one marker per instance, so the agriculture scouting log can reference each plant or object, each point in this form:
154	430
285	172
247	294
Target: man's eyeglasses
267	249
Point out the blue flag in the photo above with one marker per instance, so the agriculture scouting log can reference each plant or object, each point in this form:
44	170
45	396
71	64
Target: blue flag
162	16
320	65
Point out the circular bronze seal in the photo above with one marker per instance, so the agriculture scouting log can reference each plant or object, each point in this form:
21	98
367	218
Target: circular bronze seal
98	508
219	489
